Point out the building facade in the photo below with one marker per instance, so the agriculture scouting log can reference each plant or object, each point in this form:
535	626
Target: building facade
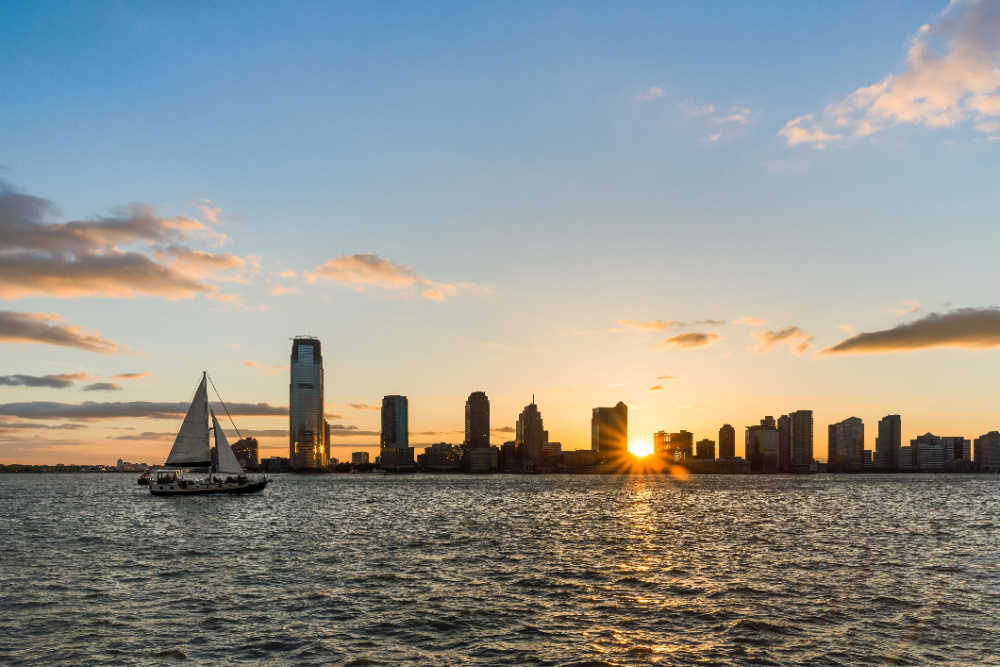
727	442
531	436
609	431
306	432
888	442
477	420
395	422
846	445
801	454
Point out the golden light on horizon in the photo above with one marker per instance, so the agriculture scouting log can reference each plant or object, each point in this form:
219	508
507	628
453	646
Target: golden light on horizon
641	448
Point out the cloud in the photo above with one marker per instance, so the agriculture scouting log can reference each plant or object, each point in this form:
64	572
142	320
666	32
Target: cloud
751	321
693	110
367	270
364	406
798	339
276	370
504	429
688	341
666	377
102	386
90	410
148	435
131	376
45	328
18	426
652	325
737	114
908	307
251	364
952	76
134	251
656	388
968	328
60	381
651	93
281	290
339	431
257	433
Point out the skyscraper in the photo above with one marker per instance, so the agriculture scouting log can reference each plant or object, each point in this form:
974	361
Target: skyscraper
846	445
802	441
531	435
888	442
477	420
306	436
609	431
727	442
395	422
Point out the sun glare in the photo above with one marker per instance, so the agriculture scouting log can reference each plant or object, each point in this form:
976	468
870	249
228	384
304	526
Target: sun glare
641	448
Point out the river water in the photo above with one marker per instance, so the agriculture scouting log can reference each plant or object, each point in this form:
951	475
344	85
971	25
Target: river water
503	570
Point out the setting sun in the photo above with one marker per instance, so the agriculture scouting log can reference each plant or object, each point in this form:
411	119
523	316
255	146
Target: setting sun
641	448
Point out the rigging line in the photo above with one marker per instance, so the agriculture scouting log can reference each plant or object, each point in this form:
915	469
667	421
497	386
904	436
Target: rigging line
224	407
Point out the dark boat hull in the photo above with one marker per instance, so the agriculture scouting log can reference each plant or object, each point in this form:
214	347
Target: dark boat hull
199	490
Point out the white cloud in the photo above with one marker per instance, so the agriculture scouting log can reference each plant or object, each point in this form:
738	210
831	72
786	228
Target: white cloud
952	76
652	93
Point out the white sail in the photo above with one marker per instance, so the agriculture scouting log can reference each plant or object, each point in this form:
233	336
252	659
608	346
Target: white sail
191	448
228	463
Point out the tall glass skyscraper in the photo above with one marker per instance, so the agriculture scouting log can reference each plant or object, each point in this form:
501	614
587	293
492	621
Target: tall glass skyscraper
306	433
395	422
477	420
609	431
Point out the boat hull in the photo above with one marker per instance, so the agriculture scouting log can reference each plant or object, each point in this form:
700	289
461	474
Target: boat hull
191	489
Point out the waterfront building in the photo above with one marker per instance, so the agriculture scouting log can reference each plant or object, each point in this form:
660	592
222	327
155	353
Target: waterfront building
483	459
888	442
987	452
846	445
784	441
306	432
443	457
705	450
246	452
660	440
359	458
477	420
551	450
395	422
904	459
727	442
754	444
680	446
802	441
609	431
531	435
928	452
397	459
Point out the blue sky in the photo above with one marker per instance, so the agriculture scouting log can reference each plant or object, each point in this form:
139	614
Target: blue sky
544	172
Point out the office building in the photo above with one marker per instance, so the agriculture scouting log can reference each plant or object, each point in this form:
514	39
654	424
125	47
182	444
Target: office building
360	458
705	450
801	454
306	432
727	442
246	452
784	442
846	445
754	441
531	436
477	420
680	446
609	431
395	422
987	452
888	442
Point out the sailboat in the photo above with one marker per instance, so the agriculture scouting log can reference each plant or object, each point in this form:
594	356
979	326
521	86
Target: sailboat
190	458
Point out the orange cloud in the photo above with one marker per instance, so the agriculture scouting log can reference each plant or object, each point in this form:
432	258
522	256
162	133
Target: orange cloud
102	386
60	381
365	270
752	321
45	328
651	325
688	341
364	406
968	328
656	388
131	376
798	339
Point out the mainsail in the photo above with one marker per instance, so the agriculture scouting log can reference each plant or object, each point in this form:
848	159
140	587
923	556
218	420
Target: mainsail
228	463
190	448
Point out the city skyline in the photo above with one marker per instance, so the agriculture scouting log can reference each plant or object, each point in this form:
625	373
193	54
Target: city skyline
707	213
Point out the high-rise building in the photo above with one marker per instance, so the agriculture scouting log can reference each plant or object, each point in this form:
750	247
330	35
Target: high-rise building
395	422
754	441
531	435
784	441
609	431
705	449
306	436
802	441
246	452
680	446
660	440
987	452
846	445
888	442
477	420
727	442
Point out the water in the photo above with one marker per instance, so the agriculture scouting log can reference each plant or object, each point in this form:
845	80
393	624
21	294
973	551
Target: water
503	570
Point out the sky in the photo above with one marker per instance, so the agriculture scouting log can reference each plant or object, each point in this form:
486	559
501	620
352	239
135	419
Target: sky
710	211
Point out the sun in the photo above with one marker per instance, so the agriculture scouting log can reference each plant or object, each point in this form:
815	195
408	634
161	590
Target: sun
641	448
